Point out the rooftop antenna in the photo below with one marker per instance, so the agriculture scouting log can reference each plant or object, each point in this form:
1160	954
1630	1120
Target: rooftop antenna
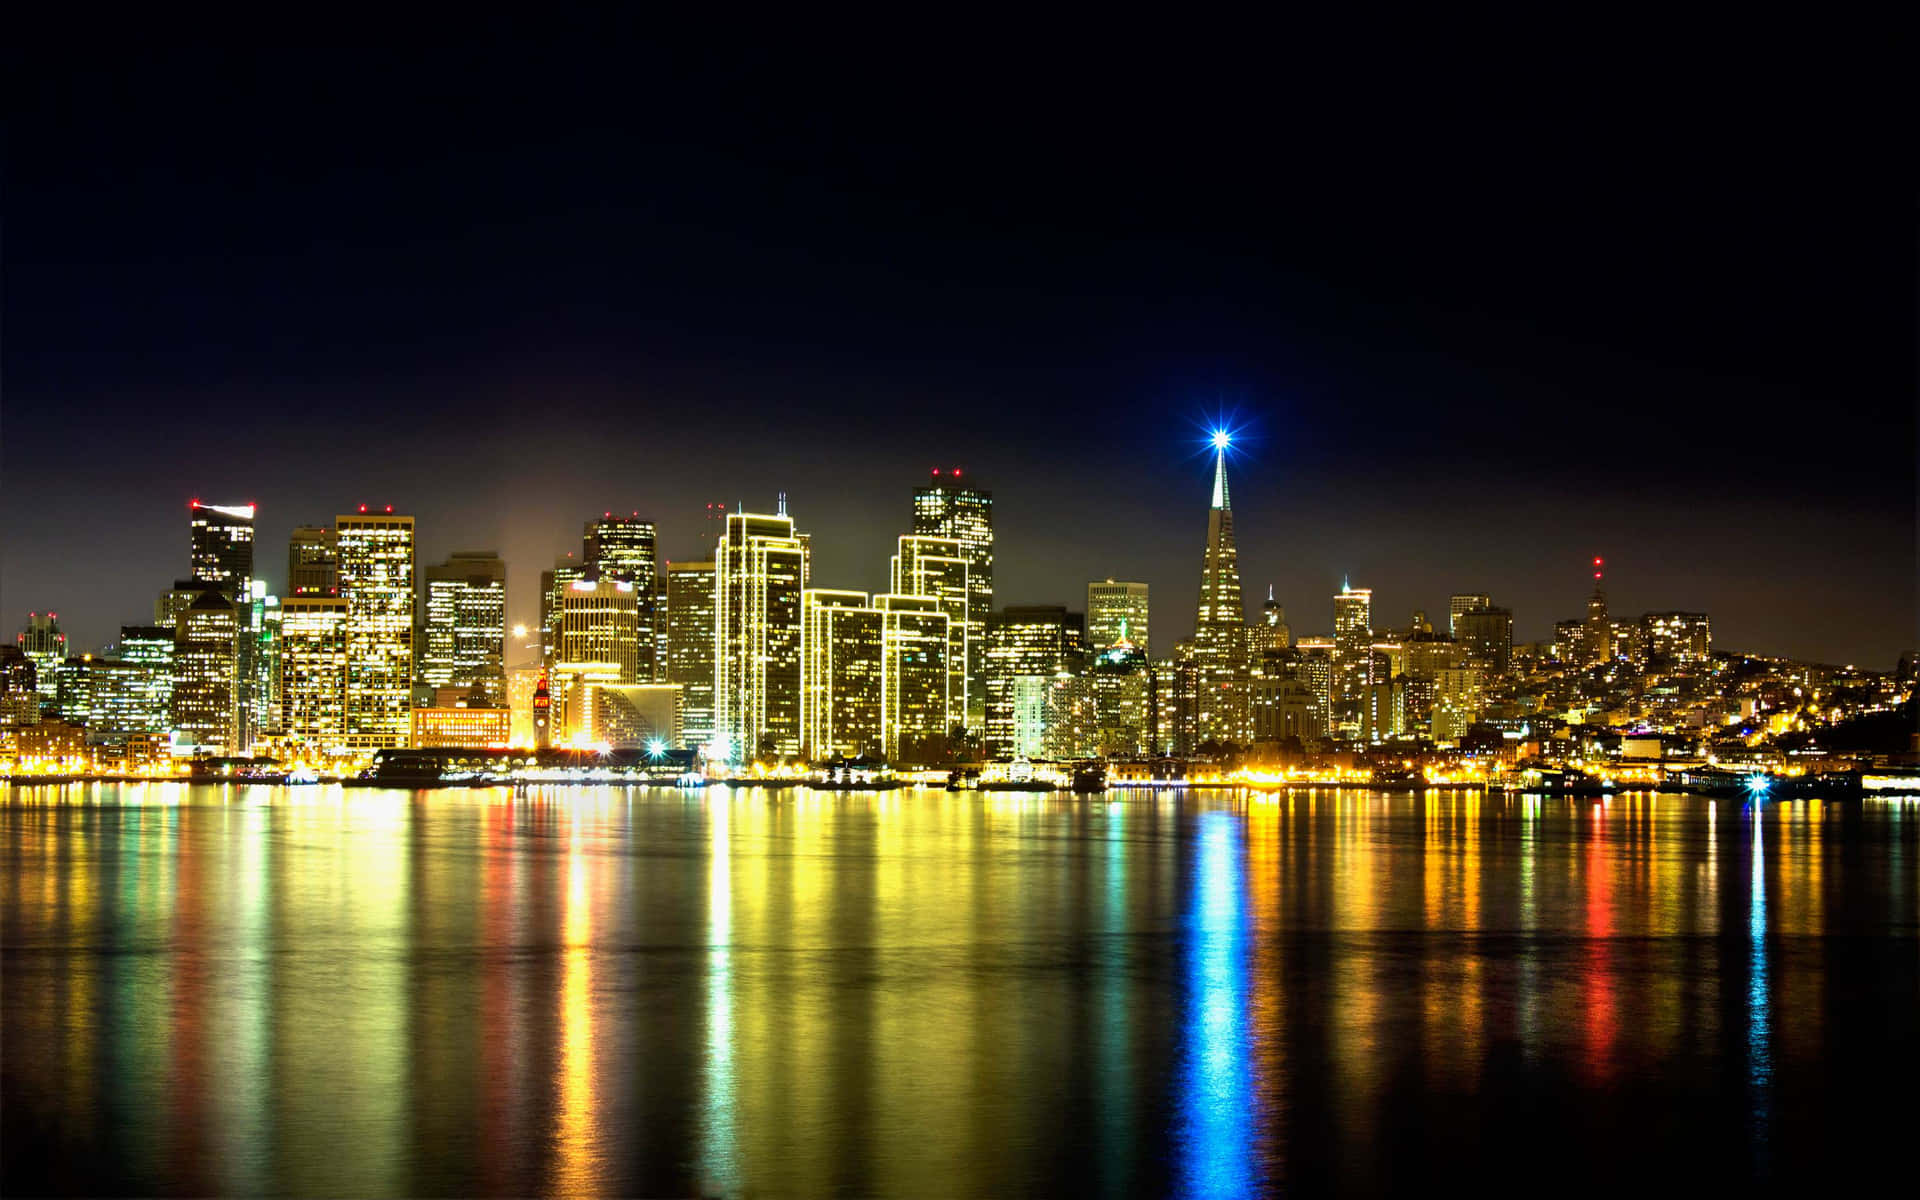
783	504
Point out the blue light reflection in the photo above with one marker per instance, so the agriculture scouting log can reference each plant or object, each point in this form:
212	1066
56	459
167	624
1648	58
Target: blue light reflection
1216	1074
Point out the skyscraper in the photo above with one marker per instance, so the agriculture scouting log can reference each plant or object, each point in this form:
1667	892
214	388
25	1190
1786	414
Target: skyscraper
914	679
599	623
1027	649
1677	637
1116	611
148	649
465	639
43	643
1220	629
951	508
553	585
1271	633
689	621
376	567
936	567
625	548
1598	643
313	673
1352	635
1462	602
206	706
760	571
222	551
312	562
840	675
1486	635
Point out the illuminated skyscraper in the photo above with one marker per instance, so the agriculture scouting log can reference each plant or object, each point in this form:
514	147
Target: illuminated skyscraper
950	508
1677	637
1485	634
599	623
1597	646
1220	629
1117	611
1271	633
689	622
625	548
553	585
46	647
313	673
1027	649
1122	687
377	582
206	705
841	675
313	564
222	552
1462	602
1352	635
147	705
914	678
760	571
465	639
936	567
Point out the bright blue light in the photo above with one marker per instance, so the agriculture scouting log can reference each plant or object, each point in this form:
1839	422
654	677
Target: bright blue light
1222	439
656	749
1758	784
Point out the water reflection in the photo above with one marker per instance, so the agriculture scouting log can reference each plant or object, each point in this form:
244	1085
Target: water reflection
595	990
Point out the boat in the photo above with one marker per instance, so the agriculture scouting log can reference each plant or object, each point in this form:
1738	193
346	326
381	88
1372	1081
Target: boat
1090	777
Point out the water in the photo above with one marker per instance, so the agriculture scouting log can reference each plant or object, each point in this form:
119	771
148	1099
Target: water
316	991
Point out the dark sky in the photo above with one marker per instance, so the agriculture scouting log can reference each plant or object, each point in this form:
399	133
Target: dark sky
1474	332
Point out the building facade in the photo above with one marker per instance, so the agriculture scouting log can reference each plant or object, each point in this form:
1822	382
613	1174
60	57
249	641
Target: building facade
376	579
760	571
689	620
1220	626
952	507
313	673
464	640
1118	611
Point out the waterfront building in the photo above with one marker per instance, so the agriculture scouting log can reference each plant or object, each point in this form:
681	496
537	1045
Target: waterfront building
636	716
313	673
915	682
626	548
1220	627
1464	602
376	579
841	675
1486	635
206	702
1677	637
689	617
313	563
936	567
1118	611
599	622
45	646
759	574
951	507
464	642
19	691
1036	644
461	727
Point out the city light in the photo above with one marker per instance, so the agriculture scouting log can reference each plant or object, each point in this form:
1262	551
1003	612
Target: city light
1222	439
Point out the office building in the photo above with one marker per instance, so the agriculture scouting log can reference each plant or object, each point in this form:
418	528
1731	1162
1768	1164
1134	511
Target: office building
313	674
626	548
376	579
1458	698
206	659
840	675
689	618
1464	602
935	567
956	508
1122	684
636	716
915	716
1220	628
464	642
313	563
19	690
553	586
1485	635
45	646
759	574
1117	611
1352	635
222	548
599	622
1027	648
144	694
1270	633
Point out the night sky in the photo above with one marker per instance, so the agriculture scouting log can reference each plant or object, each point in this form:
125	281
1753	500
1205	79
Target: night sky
1472	335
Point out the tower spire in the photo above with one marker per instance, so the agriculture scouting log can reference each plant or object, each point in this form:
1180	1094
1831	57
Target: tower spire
1220	478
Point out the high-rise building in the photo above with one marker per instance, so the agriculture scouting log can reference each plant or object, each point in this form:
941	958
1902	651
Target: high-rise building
19	689
689	620
553	585
1271	633
168	606
936	567
1220	628
626	548
313	564
1122	685
1463	602
840	676
914	676
262	637
46	647
1352	635
313	673
1485	634
1117	611
147	706
1677	637
1027	648
464	643
222	551
376	564
759	574
1457	703
599	623
1315	667
1597	646
206	703
949	507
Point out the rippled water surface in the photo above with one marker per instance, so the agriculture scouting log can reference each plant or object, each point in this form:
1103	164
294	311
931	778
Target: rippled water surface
318	991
